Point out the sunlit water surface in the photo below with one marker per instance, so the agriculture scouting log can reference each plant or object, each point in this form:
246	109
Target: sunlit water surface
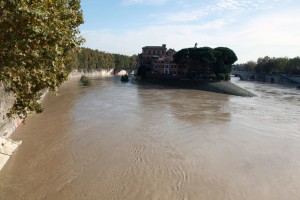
128	141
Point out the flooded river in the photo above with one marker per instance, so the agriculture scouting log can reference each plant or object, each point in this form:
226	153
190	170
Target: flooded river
146	142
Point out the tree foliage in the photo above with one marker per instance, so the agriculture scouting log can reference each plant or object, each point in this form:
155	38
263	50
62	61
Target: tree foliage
268	65
225	57
90	60
86	81
125	61
36	38
86	59
206	60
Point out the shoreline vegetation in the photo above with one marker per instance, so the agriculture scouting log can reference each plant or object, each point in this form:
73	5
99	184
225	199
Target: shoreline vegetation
86	81
89	60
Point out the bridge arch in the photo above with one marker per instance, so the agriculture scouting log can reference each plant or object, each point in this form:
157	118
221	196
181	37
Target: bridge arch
238	75
121	72
125	70
244	75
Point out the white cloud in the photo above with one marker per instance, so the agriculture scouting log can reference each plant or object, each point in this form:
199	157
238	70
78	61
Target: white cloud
274	34
197	10
131	42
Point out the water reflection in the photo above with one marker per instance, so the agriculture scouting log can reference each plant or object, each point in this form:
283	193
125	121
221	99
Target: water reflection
193	106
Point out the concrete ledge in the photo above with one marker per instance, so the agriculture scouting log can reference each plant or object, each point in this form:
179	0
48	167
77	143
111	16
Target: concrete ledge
7	148
223	87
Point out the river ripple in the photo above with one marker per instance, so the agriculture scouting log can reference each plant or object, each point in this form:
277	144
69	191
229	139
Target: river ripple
129	141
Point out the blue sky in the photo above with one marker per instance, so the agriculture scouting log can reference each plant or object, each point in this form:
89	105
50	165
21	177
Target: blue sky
252	28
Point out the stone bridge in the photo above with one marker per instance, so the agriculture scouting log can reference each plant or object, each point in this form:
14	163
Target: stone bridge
244	75
272	78
125	70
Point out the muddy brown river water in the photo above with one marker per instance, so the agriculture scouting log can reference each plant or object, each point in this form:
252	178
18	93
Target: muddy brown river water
146	142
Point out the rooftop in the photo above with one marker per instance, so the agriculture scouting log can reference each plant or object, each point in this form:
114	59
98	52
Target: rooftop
149	47
155	47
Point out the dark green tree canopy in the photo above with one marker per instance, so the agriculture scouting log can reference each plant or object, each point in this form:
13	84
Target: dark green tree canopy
218	60
225	57
181	56
35	40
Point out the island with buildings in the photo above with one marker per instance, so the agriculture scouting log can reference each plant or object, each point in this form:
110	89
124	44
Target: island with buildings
201	68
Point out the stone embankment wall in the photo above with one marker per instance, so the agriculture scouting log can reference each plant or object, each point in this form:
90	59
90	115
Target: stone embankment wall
101	73
294	78
271	78
8	126
282	79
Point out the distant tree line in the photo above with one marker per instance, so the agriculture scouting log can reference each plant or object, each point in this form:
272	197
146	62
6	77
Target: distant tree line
272	65
86	59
